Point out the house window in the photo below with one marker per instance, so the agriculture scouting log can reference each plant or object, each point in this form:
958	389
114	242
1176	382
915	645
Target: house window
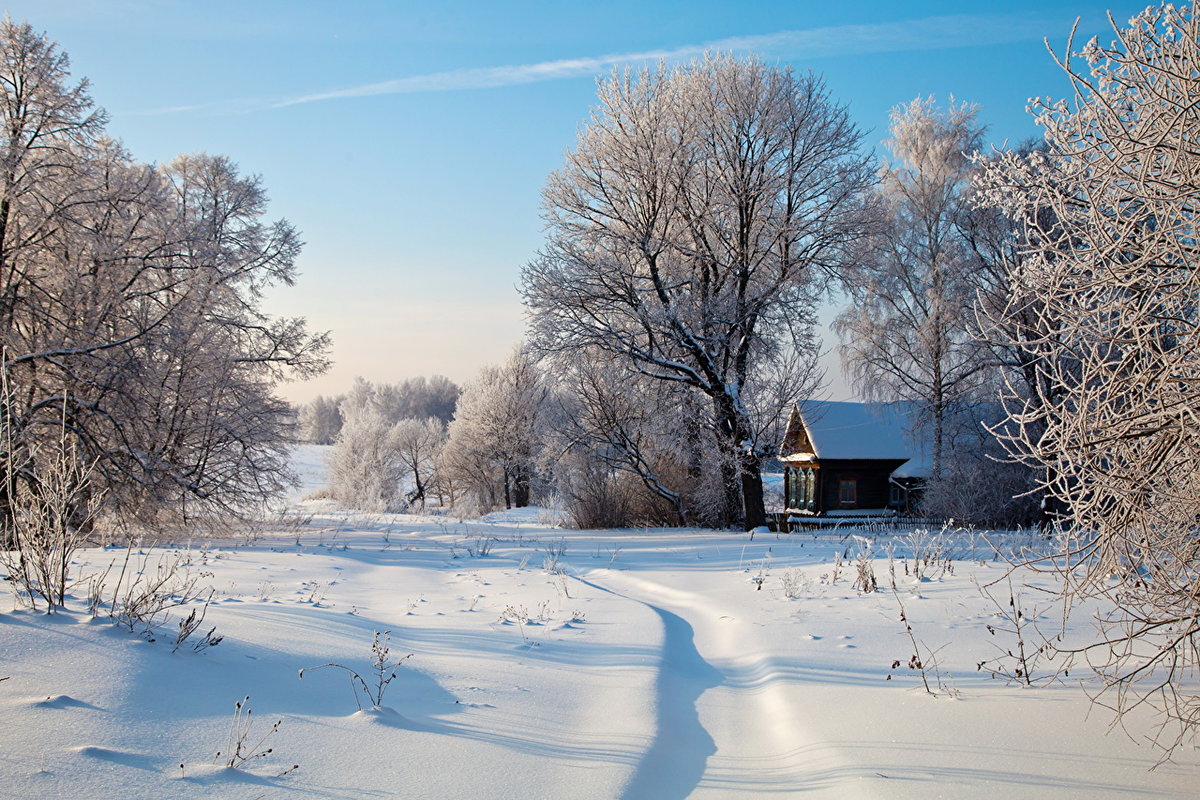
897	495
810	489
847	491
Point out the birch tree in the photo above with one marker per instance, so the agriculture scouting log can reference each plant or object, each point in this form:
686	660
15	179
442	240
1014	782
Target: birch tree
1109	244
689	228
907	333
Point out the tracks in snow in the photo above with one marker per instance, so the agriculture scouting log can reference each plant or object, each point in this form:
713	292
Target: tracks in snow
729	719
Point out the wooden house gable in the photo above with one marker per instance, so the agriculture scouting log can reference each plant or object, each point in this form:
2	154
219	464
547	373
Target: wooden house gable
796	439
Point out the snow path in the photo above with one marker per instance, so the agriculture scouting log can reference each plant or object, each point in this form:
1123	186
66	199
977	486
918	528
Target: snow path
729	721
675	761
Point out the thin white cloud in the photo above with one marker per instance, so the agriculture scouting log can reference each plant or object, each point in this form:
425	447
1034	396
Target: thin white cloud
908	35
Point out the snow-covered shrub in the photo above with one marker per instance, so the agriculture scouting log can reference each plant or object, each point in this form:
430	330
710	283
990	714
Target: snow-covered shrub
795	584
141	595
594	496
864	567
47	521
974	491
365	468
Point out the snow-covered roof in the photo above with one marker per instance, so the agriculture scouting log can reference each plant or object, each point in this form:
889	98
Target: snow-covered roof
843	430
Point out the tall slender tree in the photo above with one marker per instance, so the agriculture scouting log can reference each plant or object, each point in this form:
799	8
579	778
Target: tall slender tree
906	335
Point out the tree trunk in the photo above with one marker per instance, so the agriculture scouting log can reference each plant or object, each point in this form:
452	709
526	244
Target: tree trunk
520	487
418	494
753	507
741	468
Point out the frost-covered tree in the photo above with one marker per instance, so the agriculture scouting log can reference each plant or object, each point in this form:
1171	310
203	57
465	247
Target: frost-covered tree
366	468
130	316
321	420
418	442
491	450
1109	244
907	333
688	230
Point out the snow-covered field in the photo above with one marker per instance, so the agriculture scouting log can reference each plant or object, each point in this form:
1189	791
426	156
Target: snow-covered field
558	664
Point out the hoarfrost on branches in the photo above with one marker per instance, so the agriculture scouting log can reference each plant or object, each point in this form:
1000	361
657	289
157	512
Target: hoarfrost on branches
1109	238
690	230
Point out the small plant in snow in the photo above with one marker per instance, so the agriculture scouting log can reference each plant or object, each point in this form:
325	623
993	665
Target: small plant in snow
1025	646
615	551
191	624
316	592
864	567
482	547
238	751
795	584
890	549
517	614
832	576
928	555
554	556
383	671
764	569
923	660
141	596
94	591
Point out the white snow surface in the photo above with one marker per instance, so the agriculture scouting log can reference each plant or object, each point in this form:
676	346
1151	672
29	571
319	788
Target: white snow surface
657	664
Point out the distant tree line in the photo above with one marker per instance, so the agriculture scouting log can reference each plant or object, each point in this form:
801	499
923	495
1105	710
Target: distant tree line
321	418
387	439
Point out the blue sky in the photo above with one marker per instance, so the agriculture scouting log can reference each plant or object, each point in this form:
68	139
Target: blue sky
409	141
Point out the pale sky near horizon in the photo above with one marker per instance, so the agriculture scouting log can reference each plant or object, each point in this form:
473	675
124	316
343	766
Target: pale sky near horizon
408	141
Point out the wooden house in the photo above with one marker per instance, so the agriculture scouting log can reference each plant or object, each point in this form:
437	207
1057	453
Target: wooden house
849	458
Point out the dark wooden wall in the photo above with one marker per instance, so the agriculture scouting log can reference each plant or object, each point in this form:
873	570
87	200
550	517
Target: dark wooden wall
874	491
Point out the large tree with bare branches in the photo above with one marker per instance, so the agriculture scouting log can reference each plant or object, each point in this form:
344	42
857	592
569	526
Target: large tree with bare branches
130	309
689	229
